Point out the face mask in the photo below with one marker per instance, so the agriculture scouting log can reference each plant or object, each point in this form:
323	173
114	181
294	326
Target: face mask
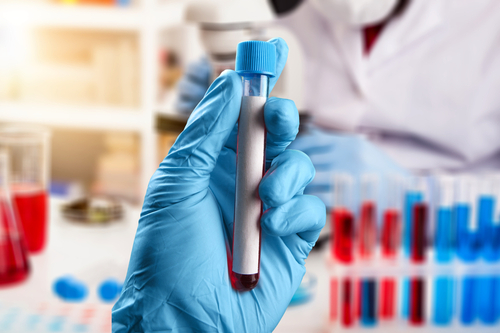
356	12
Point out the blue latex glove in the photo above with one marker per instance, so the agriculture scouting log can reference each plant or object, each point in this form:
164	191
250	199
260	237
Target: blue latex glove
353	154
193	85
178	276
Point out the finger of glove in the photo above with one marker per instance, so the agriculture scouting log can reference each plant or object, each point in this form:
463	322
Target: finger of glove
303	215
282	124
187	168
289	174
281	57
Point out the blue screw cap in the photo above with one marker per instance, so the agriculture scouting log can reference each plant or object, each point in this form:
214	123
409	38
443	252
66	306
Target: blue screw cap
70	289
256	57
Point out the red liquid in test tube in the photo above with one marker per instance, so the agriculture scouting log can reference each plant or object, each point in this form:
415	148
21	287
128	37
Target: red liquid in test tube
419	234
367	229
417	301
387	298
347	302
343	237
391	231
334	285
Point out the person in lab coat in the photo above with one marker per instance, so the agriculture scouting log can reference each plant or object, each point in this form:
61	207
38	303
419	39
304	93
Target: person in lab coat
418	79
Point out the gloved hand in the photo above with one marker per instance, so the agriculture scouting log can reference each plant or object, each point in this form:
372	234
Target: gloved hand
178	277
193	85
353	154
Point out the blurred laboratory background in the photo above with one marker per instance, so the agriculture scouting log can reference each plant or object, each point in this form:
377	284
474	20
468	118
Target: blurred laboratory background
93	93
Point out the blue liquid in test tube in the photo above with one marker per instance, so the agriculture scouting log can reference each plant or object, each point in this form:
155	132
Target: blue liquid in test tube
444	240
486	300
368	302
469	240
468	312
443	300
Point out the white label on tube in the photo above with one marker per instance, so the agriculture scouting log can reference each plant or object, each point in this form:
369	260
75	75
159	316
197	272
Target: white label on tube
249	170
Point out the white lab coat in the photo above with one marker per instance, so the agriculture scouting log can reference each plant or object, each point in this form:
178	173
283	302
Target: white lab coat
429	91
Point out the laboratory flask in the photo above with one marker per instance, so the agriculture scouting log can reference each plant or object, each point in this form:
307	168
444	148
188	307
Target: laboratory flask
28	149
14	266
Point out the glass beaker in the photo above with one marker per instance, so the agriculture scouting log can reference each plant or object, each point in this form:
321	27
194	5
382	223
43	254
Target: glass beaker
14	266
28	149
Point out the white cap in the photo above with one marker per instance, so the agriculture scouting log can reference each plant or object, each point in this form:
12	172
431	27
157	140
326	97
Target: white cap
229	11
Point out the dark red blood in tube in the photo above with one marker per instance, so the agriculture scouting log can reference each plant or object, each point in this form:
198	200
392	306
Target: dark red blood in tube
387	298
333	299
417	301
391	230
244	282
367	229
343	237
358	285
418	236
347	302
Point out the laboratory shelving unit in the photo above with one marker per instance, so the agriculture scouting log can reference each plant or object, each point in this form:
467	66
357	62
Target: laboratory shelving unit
146	18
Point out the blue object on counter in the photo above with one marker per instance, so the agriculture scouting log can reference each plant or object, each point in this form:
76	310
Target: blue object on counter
109	290
444	235
468	312
468	235
443	300
368	302
411	198
70	289
486	300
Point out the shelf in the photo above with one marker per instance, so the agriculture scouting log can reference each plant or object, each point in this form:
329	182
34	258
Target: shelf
90	17
81	117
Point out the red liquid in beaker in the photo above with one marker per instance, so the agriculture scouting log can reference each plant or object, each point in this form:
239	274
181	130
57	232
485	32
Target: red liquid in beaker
31	203
14	265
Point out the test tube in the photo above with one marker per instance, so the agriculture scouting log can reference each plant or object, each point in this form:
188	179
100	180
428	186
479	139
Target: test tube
489	212
468	237
443	300
368	215
343	218
255	62
368	302
347	302
468	311
388	298
414	194
444	227
391	225
419	229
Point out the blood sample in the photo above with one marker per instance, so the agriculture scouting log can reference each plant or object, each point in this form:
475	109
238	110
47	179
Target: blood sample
417	301
14	265
419	233
391	225
347	303
31	203
414	195
343	242
368	216
334	285
469	242
444	229
343	219
255	62
387	298
391	230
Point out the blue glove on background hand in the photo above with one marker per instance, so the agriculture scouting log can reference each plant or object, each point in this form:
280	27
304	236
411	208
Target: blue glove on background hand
353	154
178	276
193	85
